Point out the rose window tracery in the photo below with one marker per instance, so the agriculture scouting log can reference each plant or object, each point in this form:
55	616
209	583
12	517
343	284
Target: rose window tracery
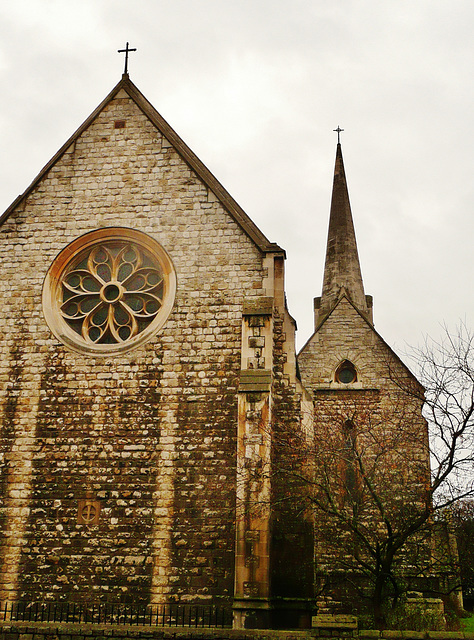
112	293
116	288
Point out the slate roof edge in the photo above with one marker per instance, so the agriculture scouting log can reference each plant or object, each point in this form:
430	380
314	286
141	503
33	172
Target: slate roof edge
230	205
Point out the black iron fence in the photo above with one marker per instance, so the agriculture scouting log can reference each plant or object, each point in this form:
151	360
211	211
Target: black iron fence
160	615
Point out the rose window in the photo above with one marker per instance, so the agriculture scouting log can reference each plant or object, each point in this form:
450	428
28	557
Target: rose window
115	290
112	293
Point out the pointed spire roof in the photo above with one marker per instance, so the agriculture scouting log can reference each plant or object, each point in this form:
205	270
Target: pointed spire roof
342	274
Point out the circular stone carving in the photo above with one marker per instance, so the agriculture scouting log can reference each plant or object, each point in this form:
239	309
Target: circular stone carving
109	291
88	513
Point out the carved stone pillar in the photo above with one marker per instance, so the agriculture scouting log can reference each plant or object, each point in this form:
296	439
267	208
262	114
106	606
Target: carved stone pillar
252	570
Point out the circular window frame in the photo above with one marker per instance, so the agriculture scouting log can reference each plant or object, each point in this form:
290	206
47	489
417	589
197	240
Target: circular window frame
346	365
52	290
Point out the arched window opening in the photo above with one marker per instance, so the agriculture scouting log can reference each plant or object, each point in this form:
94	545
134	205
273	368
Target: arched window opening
350	473
346	373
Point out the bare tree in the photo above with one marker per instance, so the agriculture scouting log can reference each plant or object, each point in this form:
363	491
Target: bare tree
461	519
376	481
446	369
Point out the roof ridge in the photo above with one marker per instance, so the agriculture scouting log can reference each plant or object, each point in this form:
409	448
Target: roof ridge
227	201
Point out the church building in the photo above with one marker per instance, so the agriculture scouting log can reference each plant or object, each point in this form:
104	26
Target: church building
154	415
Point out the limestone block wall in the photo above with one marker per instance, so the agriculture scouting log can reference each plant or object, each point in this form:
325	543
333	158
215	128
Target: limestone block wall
381	378
145	439
379	416
32	631
292	525
346	335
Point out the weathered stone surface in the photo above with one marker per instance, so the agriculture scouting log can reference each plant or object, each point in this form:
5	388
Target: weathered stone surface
161	473
150	436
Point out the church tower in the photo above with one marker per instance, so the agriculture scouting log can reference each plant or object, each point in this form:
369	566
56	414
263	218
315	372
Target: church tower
343	300
371	440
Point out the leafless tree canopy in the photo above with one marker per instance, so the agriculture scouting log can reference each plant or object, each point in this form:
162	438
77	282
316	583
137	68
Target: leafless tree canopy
374	480
446	369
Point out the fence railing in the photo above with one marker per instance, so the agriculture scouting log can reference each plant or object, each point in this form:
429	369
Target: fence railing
160	615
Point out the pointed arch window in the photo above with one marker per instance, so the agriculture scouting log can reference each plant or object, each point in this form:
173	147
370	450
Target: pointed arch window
350	475
346	373
351	496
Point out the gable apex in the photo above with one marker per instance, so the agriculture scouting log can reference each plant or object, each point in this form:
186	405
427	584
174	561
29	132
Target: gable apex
126	88
392	353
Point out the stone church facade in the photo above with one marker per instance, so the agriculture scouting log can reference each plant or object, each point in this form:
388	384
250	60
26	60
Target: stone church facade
147	362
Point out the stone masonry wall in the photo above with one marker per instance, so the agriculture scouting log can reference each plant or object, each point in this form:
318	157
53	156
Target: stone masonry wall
29	631
147	437
390	435
96	632
292	528
345	335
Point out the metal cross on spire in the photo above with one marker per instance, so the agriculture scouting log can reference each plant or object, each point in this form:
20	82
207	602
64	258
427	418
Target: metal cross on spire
126	52
338	134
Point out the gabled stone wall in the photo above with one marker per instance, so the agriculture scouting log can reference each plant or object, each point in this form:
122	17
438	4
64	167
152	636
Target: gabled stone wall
146	439
377	416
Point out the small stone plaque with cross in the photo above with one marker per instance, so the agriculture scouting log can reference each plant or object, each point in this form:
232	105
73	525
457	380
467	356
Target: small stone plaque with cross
88	512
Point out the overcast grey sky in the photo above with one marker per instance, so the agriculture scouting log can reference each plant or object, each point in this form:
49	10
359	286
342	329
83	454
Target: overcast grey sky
255	88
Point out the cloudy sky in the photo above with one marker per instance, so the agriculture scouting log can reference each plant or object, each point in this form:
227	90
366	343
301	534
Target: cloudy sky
255	88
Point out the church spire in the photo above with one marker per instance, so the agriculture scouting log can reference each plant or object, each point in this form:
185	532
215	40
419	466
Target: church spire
342	274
